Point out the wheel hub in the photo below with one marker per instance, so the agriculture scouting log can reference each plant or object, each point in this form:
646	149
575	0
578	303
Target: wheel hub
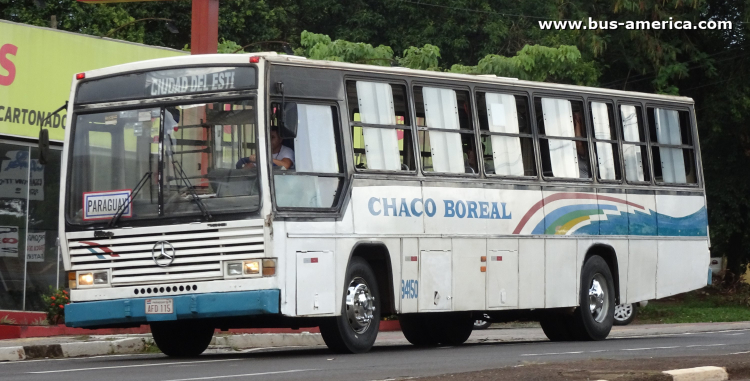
623	311
360	305
598	299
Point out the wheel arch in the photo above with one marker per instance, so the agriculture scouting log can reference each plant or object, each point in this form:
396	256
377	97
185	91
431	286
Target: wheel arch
609	255
378	257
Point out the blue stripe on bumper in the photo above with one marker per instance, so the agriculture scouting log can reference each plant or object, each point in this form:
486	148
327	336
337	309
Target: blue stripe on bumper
211	305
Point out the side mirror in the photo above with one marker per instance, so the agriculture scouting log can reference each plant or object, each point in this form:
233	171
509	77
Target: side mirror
43	146
289	120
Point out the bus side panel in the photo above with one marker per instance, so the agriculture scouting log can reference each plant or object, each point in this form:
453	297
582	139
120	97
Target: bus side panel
642	270
435	278
560	273
469	273
409	290
682	266
620	247
502	273
531	273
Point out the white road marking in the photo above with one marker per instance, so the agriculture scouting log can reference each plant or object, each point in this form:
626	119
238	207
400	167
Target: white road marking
648	349
738	353
244	375
735	334
130	366
622	349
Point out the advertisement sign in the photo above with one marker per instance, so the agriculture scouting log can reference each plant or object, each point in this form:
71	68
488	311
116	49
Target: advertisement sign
36	68
35	247
8	241
14	171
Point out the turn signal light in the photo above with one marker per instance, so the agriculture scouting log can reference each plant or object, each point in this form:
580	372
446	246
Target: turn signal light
72	280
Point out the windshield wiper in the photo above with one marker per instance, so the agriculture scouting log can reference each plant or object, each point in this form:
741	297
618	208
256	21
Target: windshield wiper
189	185
121	209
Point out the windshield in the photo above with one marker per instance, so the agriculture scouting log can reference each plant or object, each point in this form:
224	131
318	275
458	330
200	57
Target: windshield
183	157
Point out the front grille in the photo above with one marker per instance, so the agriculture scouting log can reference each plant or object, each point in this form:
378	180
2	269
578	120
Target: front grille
198	253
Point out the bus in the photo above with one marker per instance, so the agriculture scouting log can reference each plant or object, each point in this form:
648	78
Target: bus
262	190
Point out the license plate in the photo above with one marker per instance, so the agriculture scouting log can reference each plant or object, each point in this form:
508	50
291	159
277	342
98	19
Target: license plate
159	306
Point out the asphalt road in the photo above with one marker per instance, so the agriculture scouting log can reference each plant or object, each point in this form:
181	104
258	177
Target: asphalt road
391	358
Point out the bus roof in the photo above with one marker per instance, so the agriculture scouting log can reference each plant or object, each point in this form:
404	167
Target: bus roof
304	62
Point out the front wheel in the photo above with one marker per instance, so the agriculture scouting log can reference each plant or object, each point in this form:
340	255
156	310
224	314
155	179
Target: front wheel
355	330
182	338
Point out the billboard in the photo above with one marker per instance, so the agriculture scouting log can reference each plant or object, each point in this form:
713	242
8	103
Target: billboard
36	68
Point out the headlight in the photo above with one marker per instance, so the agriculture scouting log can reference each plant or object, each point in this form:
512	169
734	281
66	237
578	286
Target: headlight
234	269
251	267
85	279
92	278
101	278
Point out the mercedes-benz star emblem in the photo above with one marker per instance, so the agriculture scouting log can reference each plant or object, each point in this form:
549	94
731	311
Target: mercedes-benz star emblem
163	253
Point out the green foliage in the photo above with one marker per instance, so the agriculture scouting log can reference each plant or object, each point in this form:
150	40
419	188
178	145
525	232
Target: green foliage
226	46
55	303
320	47
538	63
424	58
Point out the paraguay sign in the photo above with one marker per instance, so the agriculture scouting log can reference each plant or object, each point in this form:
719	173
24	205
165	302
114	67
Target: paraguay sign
36	68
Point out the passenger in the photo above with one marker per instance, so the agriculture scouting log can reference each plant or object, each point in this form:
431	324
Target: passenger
584	169
281	155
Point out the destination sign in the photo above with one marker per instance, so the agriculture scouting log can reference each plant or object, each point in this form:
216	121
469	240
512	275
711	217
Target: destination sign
170	82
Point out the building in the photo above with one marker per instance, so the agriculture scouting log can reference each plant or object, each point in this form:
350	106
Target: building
36	68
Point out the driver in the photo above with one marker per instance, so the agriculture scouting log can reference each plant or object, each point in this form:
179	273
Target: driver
281	155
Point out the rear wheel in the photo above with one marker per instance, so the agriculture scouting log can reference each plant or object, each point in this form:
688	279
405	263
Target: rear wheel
594	317
355	330
182	338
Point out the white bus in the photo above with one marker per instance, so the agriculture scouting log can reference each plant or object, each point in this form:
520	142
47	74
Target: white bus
230	191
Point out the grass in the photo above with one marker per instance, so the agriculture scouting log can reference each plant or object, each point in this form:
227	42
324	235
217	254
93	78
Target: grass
6	320
710	304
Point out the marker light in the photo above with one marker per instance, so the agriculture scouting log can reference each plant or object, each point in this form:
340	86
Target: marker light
251	267
86	279
269	267
72	280
80	76
254	59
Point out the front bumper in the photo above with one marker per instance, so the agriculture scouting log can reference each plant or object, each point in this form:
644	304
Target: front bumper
211	305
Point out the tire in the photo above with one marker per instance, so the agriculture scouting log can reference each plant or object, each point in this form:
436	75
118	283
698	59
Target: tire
483	323
625	313
355	330
418	330
432	329
182	338
558	327
454	328
594	317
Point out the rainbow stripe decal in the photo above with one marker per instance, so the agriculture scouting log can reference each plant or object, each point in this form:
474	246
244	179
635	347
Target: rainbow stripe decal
101	251
606	215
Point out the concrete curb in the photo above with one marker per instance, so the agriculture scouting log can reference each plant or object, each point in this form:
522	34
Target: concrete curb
703	373
90	348
267	340
139	344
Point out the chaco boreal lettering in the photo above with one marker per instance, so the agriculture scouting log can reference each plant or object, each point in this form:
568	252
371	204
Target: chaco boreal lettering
416	207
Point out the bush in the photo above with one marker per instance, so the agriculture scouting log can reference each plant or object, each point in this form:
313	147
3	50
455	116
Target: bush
55	303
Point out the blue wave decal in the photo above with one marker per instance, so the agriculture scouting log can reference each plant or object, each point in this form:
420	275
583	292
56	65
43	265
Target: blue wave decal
692	225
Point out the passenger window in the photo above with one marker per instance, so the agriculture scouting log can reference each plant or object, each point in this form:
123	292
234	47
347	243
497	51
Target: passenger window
505	128
381	130
672	146
634	152
563	140
316	177
605	141
446	134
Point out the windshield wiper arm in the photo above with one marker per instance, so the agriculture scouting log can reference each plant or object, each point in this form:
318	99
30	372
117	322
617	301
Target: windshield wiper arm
189	185
121	209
